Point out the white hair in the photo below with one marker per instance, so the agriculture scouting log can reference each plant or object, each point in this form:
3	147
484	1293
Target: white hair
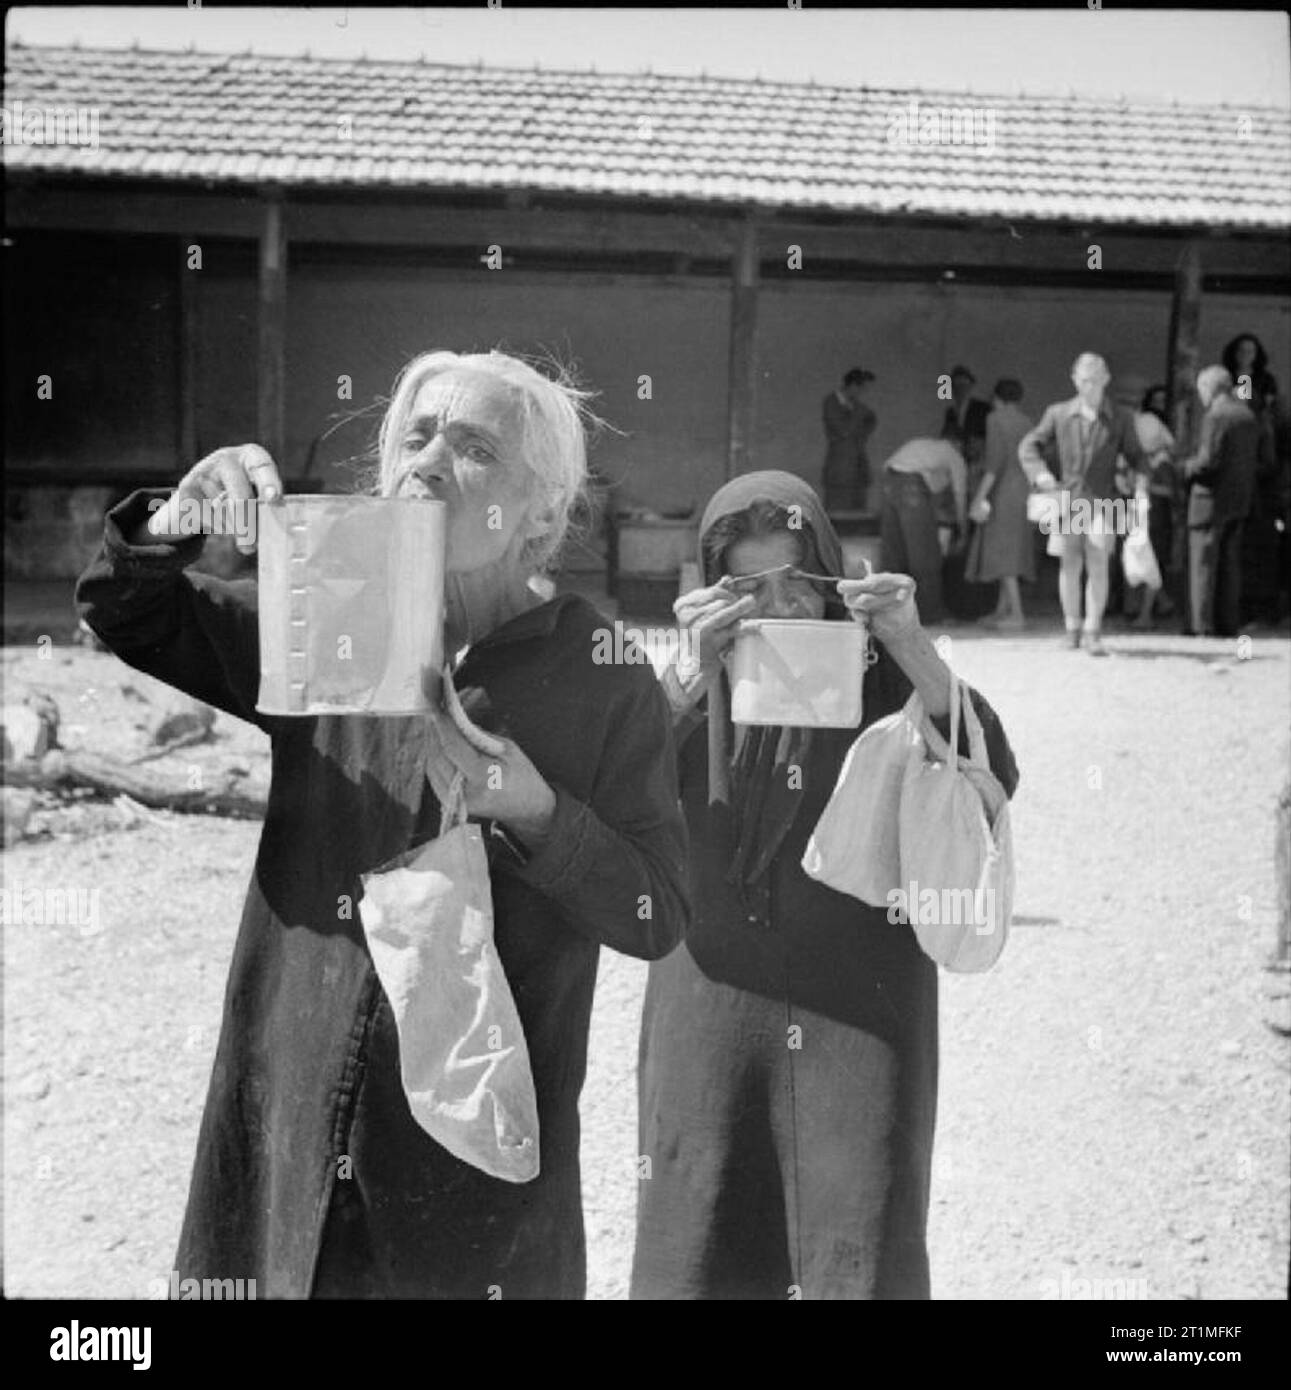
1212	380
554	416
1090	362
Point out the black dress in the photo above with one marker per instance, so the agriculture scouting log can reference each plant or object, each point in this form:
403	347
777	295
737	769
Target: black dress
789	1067
306	1125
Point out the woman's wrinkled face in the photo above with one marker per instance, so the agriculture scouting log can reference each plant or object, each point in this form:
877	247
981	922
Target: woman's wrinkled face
777	595
463	445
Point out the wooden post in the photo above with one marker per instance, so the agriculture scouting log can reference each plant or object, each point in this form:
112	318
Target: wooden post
1182	360
742	382
1185	328
187	358
271	402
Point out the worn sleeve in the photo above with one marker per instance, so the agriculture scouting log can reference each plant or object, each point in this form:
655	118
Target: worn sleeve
1131	447
1203	466
617	865
958	483
687	712
1036	444
192	631
838	420
995	456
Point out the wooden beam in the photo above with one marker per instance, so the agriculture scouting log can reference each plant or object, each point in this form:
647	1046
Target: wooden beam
890	243
186	356
132	210
742	380
370	222
859	241
271	364
587	232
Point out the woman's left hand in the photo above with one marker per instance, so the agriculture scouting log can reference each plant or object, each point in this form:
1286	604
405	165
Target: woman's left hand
504	787
885	602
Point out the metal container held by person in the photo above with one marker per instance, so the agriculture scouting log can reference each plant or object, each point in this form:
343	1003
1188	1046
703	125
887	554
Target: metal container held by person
351	605
797	671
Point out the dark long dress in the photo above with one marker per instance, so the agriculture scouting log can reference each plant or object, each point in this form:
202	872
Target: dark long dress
783	1162
1004	545
306	1071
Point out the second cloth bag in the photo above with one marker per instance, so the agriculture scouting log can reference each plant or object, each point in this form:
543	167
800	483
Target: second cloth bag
908	823
463	1060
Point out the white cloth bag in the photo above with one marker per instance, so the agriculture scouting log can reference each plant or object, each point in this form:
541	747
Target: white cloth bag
854	848
956	840
904	819
463	1060
1138	559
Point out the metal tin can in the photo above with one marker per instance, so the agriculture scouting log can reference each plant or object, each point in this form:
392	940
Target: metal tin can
351	604
798	671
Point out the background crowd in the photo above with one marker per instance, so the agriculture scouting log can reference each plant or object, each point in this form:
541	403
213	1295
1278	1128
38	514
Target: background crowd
1204	539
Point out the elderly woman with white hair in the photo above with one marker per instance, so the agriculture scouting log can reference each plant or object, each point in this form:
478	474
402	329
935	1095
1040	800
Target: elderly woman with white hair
312	1176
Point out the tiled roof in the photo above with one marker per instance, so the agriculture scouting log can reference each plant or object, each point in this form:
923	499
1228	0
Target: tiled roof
250	118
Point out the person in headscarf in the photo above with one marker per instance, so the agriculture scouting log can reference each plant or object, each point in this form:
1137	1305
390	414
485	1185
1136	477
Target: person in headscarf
788	1064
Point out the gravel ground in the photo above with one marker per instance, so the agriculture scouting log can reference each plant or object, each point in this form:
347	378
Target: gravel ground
1114	1111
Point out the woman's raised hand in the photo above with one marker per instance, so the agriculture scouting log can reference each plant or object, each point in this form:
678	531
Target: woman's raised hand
708	617
503	785
885	602
217	494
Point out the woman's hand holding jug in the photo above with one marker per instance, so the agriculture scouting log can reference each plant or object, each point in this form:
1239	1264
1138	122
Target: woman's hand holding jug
232	479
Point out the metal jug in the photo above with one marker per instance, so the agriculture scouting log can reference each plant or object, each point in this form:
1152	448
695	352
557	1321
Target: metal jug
351	604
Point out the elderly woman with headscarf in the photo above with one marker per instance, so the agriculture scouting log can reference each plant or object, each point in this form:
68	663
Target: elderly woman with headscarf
788	1067
312	1176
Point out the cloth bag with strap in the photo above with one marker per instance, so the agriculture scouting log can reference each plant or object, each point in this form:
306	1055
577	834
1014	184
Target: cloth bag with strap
956	839
854	847
428	919
904	818
1138	559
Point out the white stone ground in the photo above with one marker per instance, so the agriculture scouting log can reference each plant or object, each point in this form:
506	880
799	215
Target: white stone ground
1114	1107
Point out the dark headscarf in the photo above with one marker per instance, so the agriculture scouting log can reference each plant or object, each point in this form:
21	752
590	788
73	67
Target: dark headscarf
752	776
